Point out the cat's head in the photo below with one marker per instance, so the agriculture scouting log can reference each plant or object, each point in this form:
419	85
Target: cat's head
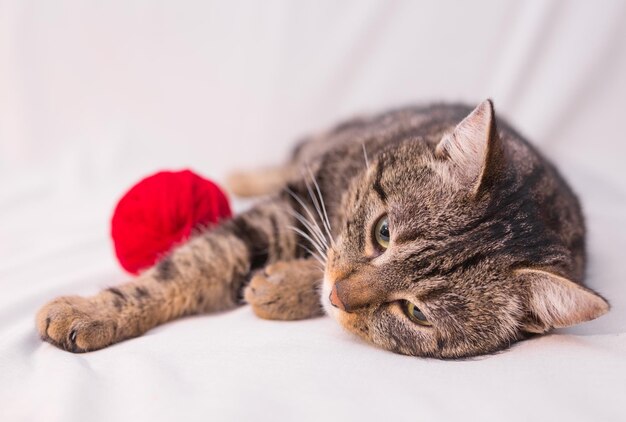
453	252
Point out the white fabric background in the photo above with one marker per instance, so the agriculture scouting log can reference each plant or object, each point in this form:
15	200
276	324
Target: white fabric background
95	95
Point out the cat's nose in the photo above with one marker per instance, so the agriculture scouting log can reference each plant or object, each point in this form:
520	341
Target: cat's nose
354	293
334	299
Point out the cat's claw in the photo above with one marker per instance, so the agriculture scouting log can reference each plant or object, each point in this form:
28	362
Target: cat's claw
75	324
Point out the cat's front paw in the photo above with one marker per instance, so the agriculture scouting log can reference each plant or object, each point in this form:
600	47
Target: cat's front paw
285	291
75	324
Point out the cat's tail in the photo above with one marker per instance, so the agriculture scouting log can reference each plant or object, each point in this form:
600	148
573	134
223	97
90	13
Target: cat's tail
264	181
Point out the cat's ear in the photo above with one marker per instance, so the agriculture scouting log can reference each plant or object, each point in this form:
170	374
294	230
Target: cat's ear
556	302
474	149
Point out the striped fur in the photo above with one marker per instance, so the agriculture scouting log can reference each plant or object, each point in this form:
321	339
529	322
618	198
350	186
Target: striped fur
486	238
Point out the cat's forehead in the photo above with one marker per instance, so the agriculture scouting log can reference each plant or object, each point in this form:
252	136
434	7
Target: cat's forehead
410	174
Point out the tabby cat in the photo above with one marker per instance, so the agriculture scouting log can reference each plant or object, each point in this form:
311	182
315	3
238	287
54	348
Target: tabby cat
428	231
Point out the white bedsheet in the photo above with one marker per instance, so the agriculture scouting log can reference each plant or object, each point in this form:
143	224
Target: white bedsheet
95	95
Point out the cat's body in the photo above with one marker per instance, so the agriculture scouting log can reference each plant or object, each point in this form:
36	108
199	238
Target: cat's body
434	233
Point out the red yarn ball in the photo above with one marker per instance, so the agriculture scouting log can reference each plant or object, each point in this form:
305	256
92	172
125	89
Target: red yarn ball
161	211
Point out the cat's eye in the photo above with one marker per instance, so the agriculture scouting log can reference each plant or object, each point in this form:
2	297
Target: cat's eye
381	232
414	314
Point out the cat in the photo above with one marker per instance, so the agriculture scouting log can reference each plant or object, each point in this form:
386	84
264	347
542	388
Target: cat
431	231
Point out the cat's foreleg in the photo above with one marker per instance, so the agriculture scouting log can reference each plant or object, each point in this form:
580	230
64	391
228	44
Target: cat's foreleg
203	275
286	290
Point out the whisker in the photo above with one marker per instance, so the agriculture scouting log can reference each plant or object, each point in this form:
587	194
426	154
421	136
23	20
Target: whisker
314	255
303	205
327	221
315	244
316	204
315	235
312	195
312	222
324	218
367	162
311	227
